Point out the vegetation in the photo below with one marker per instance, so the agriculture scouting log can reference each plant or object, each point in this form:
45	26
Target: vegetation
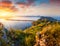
49	30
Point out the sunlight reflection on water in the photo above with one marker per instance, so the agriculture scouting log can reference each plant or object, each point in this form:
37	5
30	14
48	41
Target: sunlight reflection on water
17	24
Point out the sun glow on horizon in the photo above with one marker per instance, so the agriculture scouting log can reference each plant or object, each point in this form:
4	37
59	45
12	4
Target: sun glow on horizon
5	13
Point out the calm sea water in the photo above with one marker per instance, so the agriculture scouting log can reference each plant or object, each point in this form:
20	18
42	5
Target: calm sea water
18	24
21	24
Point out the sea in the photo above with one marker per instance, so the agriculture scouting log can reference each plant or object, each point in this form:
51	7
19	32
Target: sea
21	22
18	22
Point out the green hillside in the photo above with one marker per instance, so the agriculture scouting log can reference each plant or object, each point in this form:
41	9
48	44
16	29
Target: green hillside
40	29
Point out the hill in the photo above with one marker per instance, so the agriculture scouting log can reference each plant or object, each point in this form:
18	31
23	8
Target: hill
45	31
42	32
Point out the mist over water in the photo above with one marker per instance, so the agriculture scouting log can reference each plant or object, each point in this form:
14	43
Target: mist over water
18	24
21	24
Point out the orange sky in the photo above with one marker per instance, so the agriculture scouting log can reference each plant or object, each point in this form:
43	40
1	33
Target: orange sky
22	9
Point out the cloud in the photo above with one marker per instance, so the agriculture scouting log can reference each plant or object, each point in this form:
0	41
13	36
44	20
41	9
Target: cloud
30	1
22	8
6	4
39	10
55	1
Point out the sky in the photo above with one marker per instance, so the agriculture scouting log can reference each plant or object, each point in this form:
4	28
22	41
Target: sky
32	7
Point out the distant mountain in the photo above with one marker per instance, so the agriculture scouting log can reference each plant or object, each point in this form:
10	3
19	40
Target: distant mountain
57	17
48	18
51	18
